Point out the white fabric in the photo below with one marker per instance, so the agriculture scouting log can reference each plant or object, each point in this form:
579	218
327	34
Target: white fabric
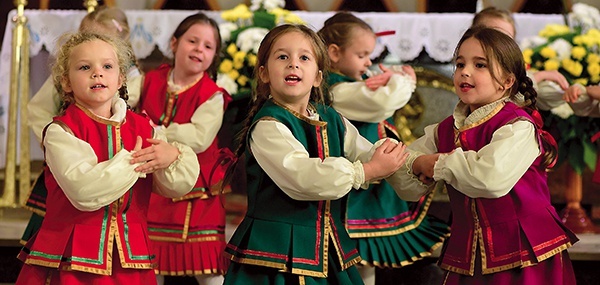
204	126
359	103
90	185
301	177
490	172
436	33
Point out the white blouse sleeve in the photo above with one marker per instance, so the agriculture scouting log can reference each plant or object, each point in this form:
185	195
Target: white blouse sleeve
42	108
204	126
492	171
88	185
180	177
585	106
134	88
359	103
306	178
405	183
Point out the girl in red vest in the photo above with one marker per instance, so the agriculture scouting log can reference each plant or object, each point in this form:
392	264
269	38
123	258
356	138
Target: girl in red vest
492	155
98	177
188	233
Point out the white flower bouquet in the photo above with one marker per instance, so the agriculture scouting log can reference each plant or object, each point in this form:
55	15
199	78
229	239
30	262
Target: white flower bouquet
242	33
573	50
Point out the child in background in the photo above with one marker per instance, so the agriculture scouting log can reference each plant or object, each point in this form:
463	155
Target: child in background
546	82
303	158
188	233
46	103
98	176
388	231
492	155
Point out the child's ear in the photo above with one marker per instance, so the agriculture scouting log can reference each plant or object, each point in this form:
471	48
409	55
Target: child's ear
66	85
319	79
263	74
334	52
509	81
173	44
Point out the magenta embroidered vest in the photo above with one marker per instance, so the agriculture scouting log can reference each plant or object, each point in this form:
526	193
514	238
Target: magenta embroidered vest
519	229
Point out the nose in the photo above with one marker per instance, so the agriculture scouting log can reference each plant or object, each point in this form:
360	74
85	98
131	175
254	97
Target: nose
96	75
293	65
369	63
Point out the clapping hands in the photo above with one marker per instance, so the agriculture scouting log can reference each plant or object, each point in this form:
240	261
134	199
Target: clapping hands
386	160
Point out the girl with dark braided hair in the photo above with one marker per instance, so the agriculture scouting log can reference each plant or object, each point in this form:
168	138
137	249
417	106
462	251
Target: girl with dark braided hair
492	155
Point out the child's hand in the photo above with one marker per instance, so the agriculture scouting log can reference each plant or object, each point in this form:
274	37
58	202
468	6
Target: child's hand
423	167
552	75
379	80
408	70
157	156
593	91
387	159
572	93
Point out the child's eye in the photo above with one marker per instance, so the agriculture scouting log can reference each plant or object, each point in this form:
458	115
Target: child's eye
460	65
209	47
480	65
108	66
84	67
304	58
282	56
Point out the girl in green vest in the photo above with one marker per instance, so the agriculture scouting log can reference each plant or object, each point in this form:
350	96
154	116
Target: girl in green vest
302	159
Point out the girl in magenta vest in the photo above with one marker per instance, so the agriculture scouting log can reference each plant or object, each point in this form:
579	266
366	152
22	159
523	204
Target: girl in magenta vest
492	156
188	233
98	177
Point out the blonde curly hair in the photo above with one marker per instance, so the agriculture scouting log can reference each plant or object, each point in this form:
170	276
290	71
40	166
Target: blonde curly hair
66	44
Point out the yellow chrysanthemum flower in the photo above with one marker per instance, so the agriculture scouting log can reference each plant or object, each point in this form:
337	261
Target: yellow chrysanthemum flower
238	59
242	80
578	52
234	74
551	64
527	53
582	81
548	52
593	58
226	66
593	69
240	11
251	59
552	30
232	49
293	19
573	67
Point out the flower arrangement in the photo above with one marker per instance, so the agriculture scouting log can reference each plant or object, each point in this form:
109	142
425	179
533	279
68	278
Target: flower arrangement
244	29
573	51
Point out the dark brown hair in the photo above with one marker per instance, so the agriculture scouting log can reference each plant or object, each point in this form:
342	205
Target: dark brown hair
262	90
201	18
500	49
339	28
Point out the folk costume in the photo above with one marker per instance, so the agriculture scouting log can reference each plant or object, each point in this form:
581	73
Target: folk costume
504	229
95	227
299	170
42	108
188	233
388	231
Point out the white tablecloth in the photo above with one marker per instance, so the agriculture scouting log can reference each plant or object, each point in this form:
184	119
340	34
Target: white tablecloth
436	33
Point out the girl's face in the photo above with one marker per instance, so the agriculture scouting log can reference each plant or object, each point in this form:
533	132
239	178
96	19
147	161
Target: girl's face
473	80
93	75
291	70
353	59
195	49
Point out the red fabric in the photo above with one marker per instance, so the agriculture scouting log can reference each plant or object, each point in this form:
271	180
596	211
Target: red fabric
177	259
83	240
31	274
556	270
596	177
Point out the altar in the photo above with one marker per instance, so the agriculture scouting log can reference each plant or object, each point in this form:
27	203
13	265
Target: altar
434	33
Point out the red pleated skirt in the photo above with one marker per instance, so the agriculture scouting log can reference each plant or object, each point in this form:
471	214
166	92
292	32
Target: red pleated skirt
190	258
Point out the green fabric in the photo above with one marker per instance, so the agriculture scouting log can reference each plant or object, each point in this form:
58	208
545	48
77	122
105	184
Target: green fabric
388	231
284	233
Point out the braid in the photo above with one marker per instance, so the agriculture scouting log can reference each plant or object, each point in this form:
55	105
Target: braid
242	135
548	143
